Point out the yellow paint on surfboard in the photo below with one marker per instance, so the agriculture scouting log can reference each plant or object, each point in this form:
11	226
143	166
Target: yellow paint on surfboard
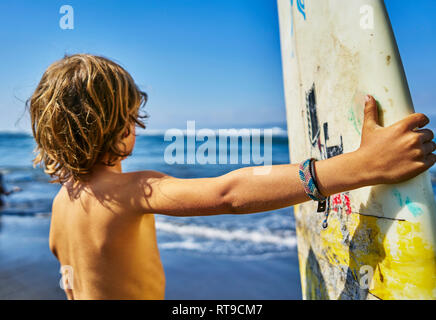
403	264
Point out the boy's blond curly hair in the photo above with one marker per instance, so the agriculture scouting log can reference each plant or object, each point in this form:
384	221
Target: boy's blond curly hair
82	108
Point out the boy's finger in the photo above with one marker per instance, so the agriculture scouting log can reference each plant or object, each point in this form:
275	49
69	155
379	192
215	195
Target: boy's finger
416	120
425	134
429	147
430	160
371	111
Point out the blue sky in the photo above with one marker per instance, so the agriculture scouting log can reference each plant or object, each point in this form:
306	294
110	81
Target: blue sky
214	61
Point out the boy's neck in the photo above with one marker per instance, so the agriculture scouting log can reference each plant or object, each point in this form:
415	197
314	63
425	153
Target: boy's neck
116	168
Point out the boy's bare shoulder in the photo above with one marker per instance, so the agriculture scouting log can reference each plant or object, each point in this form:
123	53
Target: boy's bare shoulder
113	191
59	200
147	175
138	181
129	190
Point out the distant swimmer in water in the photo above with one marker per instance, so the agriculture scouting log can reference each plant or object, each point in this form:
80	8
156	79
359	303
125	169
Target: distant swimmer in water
4	192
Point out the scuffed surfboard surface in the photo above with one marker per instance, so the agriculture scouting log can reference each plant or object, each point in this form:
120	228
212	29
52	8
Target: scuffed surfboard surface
380	241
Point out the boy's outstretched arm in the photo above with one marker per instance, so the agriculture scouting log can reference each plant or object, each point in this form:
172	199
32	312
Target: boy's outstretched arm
386	155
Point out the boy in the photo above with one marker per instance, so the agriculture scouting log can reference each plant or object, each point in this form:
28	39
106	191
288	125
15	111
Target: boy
84	113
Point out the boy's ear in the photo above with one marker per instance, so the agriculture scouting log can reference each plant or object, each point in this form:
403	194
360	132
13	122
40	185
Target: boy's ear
126	133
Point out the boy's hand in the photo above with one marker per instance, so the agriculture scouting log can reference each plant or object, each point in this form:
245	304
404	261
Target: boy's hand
395	153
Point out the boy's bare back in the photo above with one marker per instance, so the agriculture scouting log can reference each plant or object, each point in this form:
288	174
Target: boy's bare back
111	250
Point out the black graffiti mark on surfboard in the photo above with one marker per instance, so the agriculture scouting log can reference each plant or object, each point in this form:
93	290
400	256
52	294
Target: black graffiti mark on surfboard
335	150
315	129
338	201
312	116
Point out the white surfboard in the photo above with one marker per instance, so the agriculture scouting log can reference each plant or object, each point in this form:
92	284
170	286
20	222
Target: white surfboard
380	241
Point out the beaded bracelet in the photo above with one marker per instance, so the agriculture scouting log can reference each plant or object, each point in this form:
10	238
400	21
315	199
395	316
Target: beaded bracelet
308	179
